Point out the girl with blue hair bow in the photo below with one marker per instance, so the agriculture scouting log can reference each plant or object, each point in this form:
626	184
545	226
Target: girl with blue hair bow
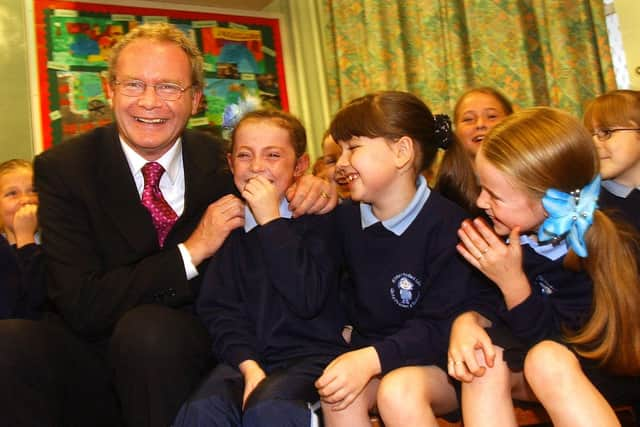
565	327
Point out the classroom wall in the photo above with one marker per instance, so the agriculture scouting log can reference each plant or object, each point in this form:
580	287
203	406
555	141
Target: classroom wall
305	75
629	15
15	110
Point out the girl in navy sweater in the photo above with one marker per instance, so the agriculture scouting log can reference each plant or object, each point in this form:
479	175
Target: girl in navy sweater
22	290
566	331
270	294
405	281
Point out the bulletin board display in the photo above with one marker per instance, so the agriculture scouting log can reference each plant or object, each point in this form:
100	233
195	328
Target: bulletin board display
243	62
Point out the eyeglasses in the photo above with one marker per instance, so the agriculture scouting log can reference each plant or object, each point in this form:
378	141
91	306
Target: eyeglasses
605	134
166	91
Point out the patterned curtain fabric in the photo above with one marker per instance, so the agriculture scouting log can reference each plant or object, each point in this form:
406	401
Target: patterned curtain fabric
537	52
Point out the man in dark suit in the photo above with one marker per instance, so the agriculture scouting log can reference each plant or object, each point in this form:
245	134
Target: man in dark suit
125	250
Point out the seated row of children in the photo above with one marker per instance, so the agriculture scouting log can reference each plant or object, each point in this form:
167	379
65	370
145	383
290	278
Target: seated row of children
398	301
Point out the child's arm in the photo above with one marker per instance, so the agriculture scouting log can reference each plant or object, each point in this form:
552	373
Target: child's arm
253	375
300	256
224	312
532	315
347	375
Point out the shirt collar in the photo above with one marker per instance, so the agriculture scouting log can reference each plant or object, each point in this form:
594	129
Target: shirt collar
548	250
617	189
170	160
399	223
250	221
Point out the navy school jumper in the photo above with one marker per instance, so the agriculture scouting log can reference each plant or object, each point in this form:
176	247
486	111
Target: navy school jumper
404	291
271	295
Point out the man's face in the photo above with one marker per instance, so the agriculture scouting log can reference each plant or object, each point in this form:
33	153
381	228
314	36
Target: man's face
149	124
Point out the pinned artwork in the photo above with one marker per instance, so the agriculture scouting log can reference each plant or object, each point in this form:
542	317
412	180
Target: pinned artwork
242	60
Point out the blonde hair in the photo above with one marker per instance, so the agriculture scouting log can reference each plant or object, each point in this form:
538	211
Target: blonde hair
162	32
14	164
542	148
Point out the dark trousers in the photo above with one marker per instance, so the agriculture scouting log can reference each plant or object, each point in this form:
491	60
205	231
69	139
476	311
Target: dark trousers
149	366
280	399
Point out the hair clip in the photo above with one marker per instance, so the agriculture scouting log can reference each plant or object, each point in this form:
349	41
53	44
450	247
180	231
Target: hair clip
570	215
443	130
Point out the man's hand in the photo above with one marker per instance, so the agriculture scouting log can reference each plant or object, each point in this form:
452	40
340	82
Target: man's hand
221	217
312	195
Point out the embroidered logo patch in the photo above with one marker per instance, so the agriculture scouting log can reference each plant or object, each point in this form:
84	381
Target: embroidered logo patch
405	290
545	287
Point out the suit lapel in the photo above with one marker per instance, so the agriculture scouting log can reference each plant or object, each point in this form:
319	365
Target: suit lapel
119	196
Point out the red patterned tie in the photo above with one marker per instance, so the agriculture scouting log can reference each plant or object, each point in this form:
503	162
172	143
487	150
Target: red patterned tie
163	216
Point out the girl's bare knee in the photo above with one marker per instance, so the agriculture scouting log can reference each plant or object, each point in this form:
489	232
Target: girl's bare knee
548	362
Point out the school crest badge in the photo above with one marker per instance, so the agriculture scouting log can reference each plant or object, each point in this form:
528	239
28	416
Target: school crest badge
405	291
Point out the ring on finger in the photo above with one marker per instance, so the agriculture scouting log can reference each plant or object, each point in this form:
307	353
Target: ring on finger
484	251
324	194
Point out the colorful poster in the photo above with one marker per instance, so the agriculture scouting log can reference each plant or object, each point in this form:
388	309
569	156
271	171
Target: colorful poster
242	61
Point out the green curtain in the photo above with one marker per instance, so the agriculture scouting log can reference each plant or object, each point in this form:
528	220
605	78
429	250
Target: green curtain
537	52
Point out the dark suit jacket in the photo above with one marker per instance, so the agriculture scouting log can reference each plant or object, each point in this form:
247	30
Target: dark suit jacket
99	241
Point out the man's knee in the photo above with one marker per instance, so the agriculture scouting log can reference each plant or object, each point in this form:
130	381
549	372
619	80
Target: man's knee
153	332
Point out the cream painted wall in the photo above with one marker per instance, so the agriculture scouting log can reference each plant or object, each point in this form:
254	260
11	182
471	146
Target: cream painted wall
15	112
629	15
305	75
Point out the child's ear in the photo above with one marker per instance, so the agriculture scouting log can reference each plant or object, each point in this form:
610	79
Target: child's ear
404	152
302	164
230	162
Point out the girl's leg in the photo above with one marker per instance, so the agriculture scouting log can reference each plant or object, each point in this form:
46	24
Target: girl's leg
414	396
356	414
556	378
487	401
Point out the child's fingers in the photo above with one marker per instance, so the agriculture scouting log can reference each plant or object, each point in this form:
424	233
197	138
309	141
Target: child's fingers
472	363
473	241
514	237
467	255
487	233
488	350
344	403
461	372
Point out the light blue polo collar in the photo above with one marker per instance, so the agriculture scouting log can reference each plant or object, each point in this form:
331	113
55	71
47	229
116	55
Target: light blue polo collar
399	223
250	221
548	250
618	189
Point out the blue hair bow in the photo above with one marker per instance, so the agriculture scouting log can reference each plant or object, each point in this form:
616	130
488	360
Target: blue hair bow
570	215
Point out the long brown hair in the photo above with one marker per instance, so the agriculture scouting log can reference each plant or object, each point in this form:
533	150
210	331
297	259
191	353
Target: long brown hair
542	148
